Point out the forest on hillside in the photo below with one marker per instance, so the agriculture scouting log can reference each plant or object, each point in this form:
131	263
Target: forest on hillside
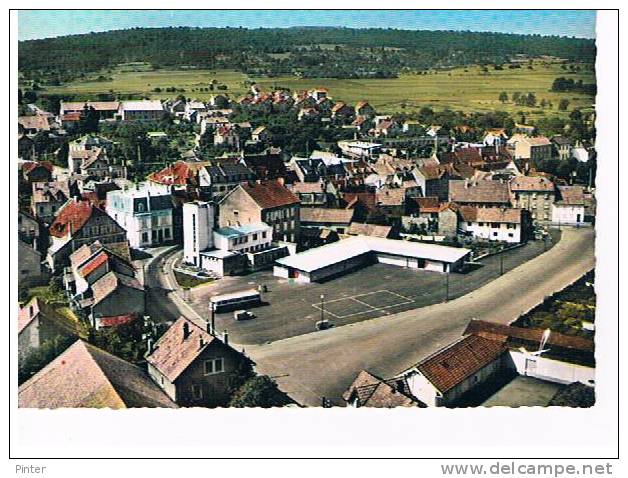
300	51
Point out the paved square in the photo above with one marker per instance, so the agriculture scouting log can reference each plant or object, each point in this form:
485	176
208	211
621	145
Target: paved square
363	303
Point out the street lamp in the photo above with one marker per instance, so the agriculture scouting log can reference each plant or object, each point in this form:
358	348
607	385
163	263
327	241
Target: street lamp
322	306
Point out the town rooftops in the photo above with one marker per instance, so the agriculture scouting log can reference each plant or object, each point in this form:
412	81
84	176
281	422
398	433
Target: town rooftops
367	390
270	194
531	183
144	105
108	283
326	215
479	191
72	217
178	348
571	196
85	376
319	257
37	122
373	230
536	141
97	105
490	214
456	362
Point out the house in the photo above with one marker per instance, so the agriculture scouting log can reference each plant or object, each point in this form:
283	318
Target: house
144	110
215	181
179	176
479	193
308	113
105	109
194	367
145	213
94	163
494	224
372	230
569	207
25	147
359	149
78	223
443	378
227	136
495	137
317	219
38	322
433	180
266	166
47	198
31	271
536	149
84	376
92	141
212	123
562	146
362	108
261	134
114	296
92	261
412	127
266	201
341	110
433	130
436	217
310	194
36	172
368	390
536	194
31	125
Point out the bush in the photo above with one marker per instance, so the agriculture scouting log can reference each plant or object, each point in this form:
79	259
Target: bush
259	391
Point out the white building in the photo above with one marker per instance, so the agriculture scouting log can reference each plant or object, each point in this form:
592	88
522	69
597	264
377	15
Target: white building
348	254
244	238
198	222
360	149
569	209
492	223
145	213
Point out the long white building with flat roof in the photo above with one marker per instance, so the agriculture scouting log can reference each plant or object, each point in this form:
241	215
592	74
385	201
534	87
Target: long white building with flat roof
349	254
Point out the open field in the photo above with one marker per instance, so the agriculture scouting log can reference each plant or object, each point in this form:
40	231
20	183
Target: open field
468	89
126	80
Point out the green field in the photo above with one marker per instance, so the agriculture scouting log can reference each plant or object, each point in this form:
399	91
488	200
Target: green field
467	89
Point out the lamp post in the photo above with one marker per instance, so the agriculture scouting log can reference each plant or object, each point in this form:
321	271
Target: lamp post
212	322
501	263
446	286
322	306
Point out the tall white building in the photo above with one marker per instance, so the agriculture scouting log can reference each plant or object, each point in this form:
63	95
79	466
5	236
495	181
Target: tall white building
146	214
198	223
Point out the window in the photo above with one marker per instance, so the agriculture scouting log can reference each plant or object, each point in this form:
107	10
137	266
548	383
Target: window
145	237
197	392
510	234
495	234
213	366
481	224
264	235
167	233
495	225
255	237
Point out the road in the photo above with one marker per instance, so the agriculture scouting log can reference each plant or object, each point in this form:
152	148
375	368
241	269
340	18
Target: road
318	364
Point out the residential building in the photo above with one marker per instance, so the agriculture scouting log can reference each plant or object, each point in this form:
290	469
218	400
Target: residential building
31	271
195	368
215	181
38	323
311	194
493	224
562	146
569	207
536	194
47	198
78	223
359	149
84	376
105	109
536	149
480	193
362	108
145	213
144	110
31	125
368	390
266	201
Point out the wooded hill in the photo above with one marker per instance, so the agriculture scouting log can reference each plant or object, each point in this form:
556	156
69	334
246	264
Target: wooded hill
300	51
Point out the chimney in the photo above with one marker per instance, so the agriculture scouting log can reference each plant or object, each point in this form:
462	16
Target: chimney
201	342
149	346
225	337
208	328
186	330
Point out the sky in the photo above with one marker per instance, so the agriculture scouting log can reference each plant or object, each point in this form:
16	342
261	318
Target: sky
34	24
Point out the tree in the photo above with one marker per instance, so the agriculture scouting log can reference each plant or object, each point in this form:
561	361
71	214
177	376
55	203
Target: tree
89	121
563	104
259	391
531	99
503	97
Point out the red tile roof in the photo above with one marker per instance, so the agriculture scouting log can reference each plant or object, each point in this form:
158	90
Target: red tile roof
115	320
174	352
71	218
490	214
371	391
270	194
531	183
31	165
179	173
93	264
452	365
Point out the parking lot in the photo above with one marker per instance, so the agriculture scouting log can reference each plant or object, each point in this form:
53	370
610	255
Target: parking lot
291	308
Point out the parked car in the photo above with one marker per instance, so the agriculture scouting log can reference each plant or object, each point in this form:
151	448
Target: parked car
324	324
243	315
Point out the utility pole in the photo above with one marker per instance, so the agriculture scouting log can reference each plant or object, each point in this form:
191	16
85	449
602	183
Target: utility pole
322	307
446	286
501	263
212	310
